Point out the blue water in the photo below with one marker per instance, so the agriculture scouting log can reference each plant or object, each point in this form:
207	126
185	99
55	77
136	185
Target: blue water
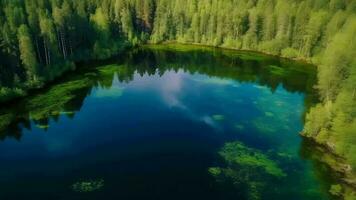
155	126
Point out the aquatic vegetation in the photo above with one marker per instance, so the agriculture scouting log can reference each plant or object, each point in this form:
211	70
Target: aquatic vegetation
237	153
218	117
247	168
88	186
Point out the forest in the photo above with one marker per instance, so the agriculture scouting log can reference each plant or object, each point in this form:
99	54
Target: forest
42	39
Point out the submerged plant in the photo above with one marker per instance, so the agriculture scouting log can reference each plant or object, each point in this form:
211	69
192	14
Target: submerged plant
247	168
88	186
237	153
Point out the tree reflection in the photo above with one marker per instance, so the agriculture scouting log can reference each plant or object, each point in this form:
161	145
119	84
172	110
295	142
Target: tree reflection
67	95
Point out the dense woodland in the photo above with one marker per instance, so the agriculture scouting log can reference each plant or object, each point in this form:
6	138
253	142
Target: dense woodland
41	39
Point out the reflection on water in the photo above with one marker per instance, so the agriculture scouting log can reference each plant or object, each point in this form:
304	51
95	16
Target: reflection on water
164	124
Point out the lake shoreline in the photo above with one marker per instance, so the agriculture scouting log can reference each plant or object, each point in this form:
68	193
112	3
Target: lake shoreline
337	164
302	60
78	64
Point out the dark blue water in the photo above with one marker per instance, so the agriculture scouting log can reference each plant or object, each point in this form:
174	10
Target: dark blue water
164	124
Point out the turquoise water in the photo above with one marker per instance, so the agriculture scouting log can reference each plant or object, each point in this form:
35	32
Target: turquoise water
165	123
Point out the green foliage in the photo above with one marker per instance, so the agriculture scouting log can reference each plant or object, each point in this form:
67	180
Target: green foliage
332	122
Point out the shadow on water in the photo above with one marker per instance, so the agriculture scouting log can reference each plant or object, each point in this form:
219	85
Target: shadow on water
245	170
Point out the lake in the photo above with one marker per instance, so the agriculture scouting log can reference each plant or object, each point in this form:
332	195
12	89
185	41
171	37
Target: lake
165	122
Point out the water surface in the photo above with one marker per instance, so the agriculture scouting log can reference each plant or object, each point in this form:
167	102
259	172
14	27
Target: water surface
165	123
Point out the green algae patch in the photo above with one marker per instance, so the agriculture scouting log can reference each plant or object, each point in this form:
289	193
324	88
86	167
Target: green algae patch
218	117
88	186
237	153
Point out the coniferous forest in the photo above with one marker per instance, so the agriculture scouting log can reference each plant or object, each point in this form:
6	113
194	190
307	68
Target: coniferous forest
42	39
